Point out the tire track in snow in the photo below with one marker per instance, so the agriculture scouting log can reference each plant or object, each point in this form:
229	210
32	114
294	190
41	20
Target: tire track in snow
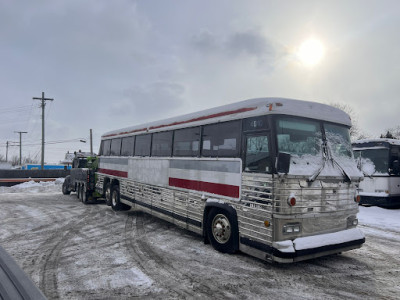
51	250
156	266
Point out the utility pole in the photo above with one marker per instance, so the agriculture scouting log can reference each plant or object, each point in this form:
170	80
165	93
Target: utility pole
7	152
20	145
91	143
43	99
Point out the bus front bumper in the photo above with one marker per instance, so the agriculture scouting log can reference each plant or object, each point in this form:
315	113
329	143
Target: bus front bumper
318	245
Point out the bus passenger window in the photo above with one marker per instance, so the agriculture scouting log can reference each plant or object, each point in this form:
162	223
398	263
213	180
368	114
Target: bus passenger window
115	147
142	145
128	145
221	140
106	147
257	154
162	144
187	141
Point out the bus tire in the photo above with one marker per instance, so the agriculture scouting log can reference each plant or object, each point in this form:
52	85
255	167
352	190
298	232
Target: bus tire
65	188
108	193
221	230
84	194
115	199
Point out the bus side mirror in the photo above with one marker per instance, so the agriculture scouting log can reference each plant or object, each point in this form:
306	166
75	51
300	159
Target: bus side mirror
283	163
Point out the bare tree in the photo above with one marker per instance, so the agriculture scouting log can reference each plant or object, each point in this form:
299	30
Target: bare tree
392	133
25	160
355	132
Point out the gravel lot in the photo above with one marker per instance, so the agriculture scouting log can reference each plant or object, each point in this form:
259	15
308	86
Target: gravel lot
76	251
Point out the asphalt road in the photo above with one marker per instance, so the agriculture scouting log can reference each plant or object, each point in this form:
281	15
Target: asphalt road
76	251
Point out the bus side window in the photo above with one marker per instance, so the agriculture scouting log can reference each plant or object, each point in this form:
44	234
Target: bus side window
162	144
142	145
257	157
221	140
187	142
394	168
128	145
106	147
115	147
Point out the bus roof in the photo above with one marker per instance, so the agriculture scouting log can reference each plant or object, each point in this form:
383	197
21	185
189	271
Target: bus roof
375	143
239	110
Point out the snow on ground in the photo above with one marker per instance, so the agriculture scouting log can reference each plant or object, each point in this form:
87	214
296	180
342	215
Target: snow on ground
34	187
77	251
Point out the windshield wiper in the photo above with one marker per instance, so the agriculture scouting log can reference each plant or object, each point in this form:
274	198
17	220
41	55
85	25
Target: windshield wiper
327	156
325	159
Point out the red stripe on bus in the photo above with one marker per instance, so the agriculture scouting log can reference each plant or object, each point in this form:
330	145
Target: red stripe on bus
202	186
221	114
114	172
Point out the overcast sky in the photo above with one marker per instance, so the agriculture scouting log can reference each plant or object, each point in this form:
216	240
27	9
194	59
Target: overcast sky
112	64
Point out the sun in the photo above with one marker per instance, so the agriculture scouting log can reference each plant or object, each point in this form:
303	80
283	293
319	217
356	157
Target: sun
311	52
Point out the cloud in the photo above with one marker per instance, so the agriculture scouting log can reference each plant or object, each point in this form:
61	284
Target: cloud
145	103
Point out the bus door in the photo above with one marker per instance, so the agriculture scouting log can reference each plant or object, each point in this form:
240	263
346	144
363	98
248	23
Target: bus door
257	154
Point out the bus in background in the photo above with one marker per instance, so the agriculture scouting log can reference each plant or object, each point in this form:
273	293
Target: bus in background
274	178
379	159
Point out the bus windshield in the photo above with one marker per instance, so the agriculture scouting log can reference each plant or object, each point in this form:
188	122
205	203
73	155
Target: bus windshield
338	140
373	161
302	139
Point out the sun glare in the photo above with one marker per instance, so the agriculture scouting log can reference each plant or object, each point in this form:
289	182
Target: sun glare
311	52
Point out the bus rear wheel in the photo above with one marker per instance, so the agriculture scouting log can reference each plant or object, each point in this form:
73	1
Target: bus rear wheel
115	199
220	230
108	193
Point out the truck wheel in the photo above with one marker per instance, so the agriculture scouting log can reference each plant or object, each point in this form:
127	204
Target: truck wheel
84	194
220	230
108	194
65	189
115	199
78	191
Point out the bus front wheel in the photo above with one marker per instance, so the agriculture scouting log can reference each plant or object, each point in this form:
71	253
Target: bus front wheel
220	230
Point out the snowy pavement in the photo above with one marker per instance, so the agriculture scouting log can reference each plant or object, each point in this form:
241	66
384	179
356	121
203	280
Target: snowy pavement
76	251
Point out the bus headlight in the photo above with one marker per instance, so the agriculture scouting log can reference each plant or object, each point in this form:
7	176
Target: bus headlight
291	228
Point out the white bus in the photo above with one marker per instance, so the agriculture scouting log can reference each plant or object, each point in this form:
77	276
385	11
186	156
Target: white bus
379	159
274	178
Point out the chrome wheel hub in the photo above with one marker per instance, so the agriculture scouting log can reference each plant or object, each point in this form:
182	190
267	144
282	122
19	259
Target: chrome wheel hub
221	228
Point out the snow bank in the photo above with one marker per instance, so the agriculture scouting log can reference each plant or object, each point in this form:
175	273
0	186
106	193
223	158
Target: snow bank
382	218
34	187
